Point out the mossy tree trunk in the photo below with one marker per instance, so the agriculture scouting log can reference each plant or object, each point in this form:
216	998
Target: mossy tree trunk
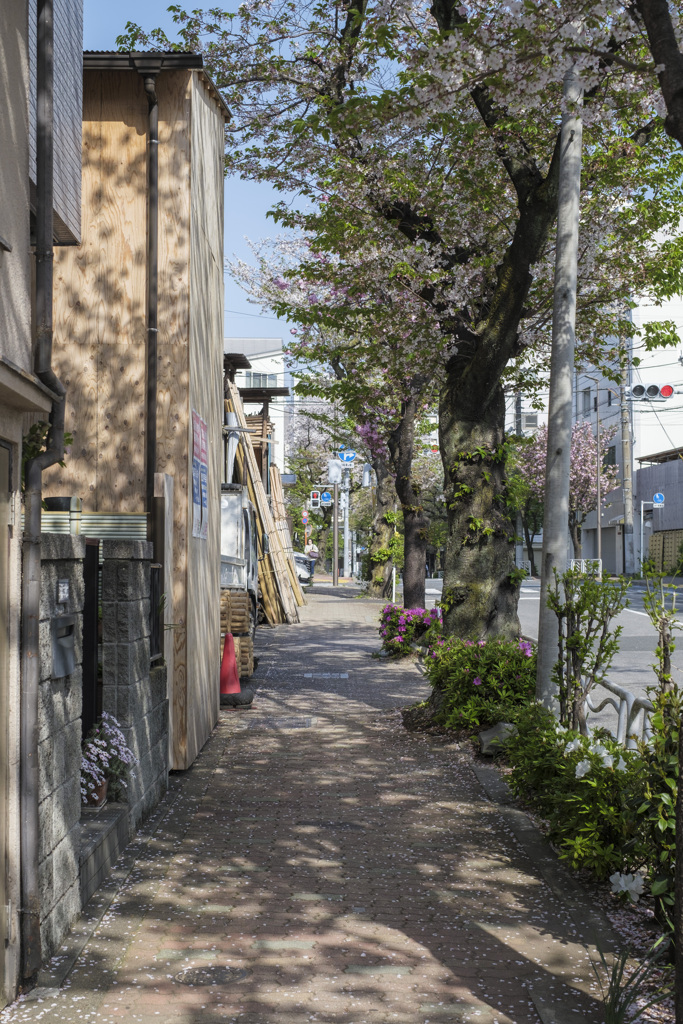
382	532
415	519
479	592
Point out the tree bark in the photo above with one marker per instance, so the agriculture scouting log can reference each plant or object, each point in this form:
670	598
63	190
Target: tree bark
529	546
382	532
415	520
575	532
656	16
479	595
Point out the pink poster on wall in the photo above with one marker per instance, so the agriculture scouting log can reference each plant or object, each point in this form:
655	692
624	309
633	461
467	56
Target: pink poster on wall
204	479
196	475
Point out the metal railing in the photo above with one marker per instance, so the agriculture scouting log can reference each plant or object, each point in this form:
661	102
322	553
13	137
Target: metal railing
588	566
633	713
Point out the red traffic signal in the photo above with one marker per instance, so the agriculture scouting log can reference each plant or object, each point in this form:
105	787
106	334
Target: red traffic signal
315	499
652	392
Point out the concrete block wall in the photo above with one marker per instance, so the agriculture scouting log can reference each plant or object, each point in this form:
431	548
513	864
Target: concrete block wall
59	750
133	693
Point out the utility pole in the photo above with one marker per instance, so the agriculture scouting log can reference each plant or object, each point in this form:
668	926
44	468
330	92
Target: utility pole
627	475
598	472
556	514
335	536
598	481
519	526
345	502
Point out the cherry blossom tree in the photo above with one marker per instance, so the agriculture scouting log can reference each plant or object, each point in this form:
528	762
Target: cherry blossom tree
423	145
583	495
365	342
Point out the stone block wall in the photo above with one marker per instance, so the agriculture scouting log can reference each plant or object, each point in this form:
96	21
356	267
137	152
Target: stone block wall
59	738
132	692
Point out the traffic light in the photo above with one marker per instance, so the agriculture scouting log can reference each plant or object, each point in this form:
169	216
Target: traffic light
652	392
315	499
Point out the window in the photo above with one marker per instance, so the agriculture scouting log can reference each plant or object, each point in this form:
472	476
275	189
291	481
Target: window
595	404
586	401
530	421
609	397
261	380
610	458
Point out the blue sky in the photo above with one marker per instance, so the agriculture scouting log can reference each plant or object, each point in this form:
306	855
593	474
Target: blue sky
246	202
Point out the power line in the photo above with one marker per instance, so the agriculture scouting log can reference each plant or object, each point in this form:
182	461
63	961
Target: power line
257	316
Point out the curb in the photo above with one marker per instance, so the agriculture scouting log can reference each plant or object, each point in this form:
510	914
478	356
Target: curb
592	927
195	782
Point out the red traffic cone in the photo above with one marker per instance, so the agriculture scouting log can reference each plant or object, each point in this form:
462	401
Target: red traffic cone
230	680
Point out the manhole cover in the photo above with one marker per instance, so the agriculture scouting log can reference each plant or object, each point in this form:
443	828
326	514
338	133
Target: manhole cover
290	722
333	824
212	975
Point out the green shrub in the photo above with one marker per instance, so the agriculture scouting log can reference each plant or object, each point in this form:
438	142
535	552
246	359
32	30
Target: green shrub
481	682
400	628
657	808
586	788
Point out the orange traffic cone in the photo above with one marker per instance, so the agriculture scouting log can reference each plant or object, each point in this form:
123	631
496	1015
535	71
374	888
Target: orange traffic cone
230	680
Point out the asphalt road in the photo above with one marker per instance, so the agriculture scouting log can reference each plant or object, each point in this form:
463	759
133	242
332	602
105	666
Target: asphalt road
632	666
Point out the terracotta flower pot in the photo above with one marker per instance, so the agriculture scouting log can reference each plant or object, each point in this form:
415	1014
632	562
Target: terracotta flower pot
98	797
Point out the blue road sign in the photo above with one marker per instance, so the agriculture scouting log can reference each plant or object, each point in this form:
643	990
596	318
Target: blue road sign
658	498
325	498
347	455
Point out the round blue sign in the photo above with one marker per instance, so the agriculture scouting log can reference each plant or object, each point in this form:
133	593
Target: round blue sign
658	498
347	456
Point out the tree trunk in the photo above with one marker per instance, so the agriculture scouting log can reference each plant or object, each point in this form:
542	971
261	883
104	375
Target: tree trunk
575	531
479	595
382	532
665	643
415	520
529	546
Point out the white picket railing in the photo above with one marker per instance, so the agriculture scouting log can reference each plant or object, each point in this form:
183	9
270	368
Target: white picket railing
633	713
588	566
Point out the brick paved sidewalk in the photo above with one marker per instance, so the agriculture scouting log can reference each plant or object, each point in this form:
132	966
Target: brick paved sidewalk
320	864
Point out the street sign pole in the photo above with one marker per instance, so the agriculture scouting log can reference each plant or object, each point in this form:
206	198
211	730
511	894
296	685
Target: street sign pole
335	536
642	506
347	545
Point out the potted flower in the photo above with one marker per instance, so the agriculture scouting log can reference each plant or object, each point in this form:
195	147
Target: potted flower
105	759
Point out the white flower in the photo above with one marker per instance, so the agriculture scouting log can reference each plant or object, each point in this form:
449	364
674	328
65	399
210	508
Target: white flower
597	748
631	884
621	765
573	745
582	768
607	760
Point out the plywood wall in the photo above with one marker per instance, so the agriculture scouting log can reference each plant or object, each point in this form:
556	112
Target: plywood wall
100	335
206	386
99	307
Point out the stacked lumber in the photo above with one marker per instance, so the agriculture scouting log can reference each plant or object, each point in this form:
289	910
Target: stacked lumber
277	503
235	612
277	593
244	655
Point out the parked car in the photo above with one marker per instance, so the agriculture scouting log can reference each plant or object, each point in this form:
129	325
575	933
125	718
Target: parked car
304	567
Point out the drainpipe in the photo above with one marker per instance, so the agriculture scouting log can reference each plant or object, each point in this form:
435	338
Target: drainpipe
30	657
149	71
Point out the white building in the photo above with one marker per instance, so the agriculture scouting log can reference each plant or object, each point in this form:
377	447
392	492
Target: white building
656	428
267	372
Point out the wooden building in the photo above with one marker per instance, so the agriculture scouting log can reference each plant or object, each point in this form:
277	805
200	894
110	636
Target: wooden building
125	313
